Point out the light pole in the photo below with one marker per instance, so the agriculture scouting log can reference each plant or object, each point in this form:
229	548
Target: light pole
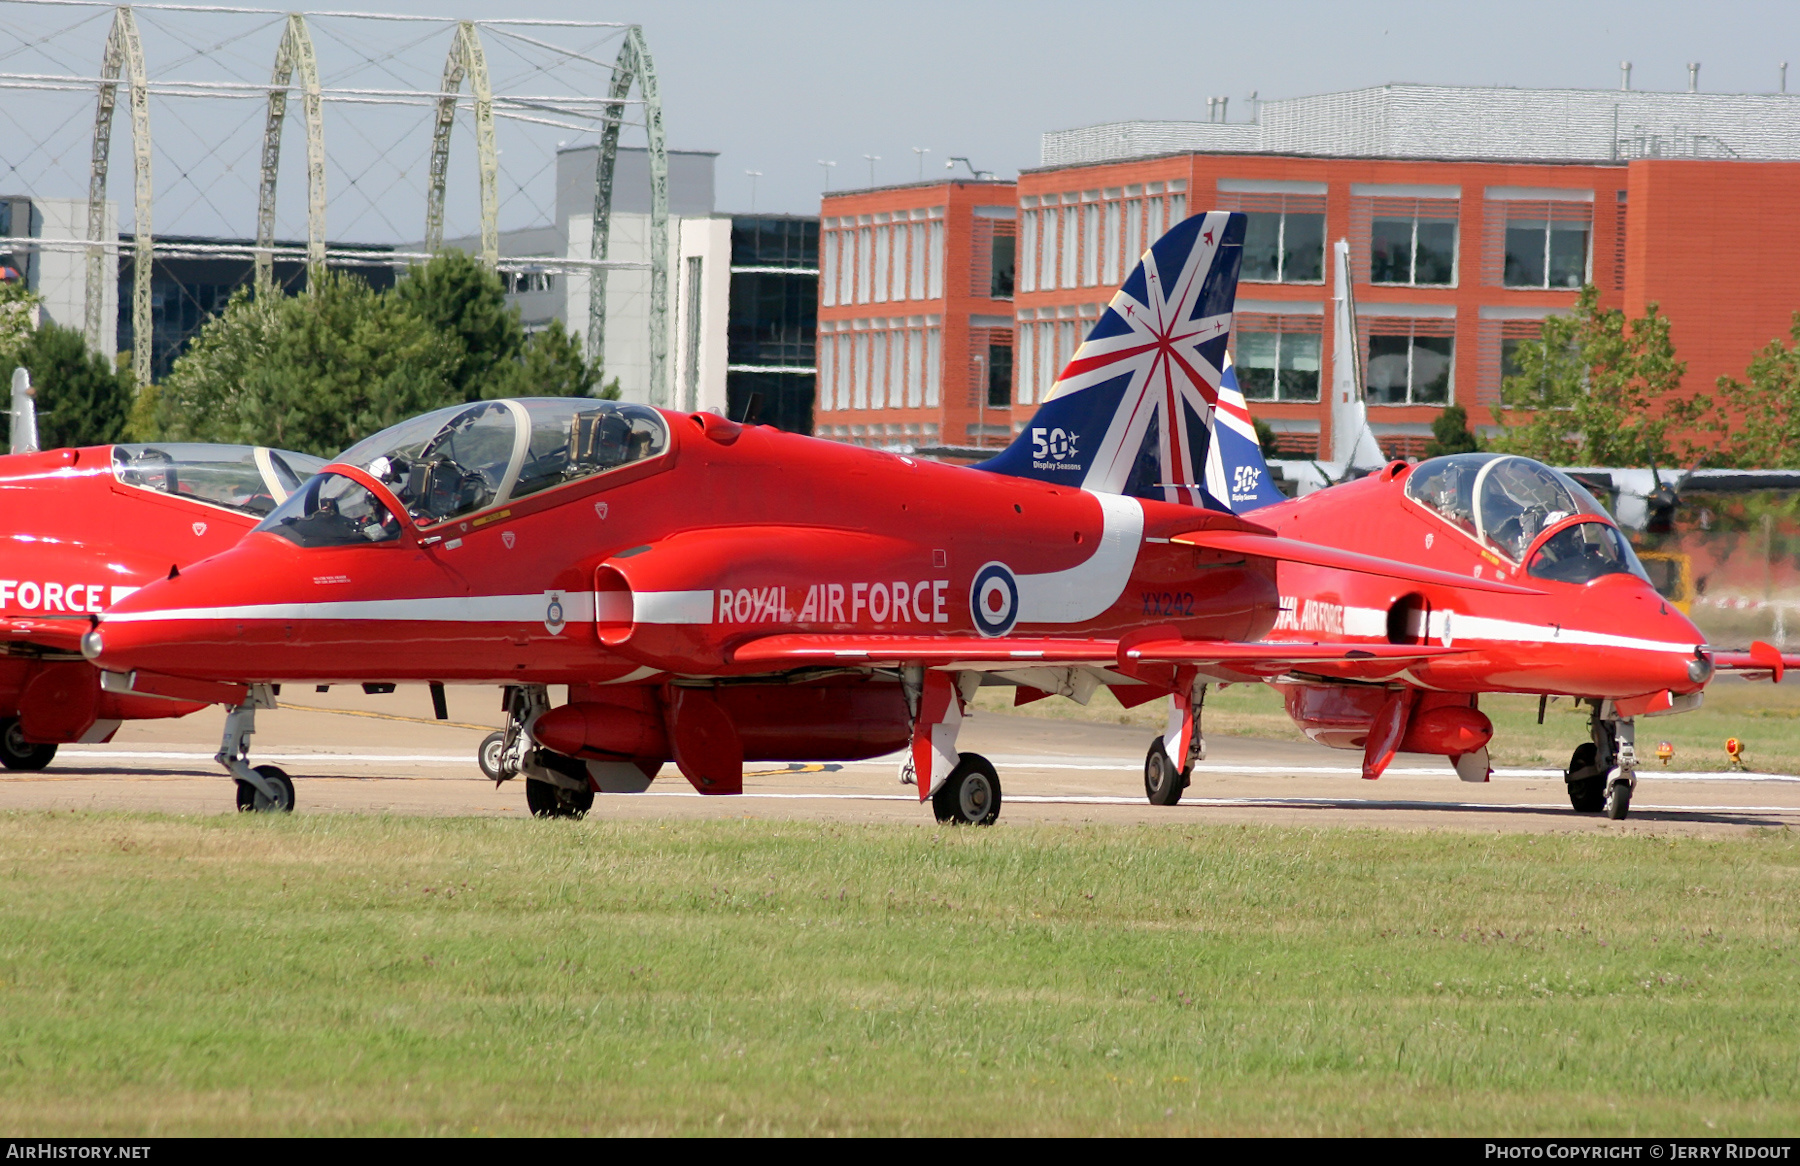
828	166
873	158
921	151
754	175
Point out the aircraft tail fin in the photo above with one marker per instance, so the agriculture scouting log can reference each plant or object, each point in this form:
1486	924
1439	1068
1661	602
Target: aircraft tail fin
1235	470
1133	412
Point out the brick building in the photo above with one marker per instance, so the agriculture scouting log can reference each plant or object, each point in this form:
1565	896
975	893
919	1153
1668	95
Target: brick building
915	335
1471	213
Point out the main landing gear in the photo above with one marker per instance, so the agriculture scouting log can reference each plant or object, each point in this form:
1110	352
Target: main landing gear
970	796
264	789
1164	780
556	786
1602	773
18	753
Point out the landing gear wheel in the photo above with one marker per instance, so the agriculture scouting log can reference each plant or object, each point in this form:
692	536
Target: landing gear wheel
251	800
970	796
487	755
553	801
1618	800
1162	781
1586	780
18	753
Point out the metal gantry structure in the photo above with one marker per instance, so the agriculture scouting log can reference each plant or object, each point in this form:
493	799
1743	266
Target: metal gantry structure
296	75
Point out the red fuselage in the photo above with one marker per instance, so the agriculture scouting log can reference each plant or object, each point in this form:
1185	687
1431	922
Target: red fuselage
667	566
1612	636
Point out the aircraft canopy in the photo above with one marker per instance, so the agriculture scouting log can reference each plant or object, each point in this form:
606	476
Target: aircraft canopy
1507	502
469	457
251	479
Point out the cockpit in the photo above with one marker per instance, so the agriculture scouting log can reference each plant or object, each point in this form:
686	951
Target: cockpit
467	458
1523	509
251	479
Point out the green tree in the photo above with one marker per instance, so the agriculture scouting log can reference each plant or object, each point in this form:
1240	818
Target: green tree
1450	433
1265	438
16	322
81	398
465	304
1766	405
314	372
1595	388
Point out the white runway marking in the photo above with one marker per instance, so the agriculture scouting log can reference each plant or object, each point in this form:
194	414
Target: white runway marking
1001	761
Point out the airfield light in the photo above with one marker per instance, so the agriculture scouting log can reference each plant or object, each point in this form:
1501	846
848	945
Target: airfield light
1664	751
1734	749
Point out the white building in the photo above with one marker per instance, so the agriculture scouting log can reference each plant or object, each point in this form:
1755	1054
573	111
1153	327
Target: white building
59	275
699	266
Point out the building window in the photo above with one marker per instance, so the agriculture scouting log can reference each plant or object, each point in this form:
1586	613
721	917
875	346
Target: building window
1547	245
520	282
999	376
1410	362
936	256
1134	232
1090	245
1278	358
1114	275
1071	244
1284	247
828	274
1027	254
1413	250
915	368
933	366
863	265
882	235
916	283
1001	280
859	371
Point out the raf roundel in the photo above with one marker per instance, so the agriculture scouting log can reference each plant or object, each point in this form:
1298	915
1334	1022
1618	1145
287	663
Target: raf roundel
994	600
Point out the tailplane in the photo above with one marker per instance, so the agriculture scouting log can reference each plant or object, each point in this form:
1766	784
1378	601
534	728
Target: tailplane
1133	413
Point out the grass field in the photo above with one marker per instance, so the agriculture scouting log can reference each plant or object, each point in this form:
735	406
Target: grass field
373	975
1765	717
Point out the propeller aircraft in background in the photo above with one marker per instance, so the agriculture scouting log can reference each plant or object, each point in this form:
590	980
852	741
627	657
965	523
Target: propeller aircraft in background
714	593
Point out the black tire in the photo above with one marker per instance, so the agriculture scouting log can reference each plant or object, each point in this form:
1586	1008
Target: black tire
487	755
1162	781
251	800
18	753
1587	782
553	801
970	796
1618	800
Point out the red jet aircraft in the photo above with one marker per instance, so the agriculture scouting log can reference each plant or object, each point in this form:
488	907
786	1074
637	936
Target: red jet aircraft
86	527
1594	629
714	593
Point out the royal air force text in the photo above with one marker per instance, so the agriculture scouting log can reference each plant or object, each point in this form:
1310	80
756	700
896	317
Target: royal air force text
902	602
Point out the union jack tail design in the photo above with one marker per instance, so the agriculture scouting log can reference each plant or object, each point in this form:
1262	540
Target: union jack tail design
1235	469
1133	411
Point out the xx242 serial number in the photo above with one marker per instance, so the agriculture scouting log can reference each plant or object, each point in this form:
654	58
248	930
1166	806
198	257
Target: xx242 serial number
1168	602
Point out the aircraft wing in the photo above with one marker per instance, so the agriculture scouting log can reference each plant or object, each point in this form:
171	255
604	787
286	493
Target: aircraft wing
1294	551
1761	662
62	635
1245	660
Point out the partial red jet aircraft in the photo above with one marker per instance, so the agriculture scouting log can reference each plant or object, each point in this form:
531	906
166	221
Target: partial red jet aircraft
1594	628
86	527
714	593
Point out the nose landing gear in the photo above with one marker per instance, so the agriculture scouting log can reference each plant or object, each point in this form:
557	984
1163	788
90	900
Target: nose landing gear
1602	773
264	789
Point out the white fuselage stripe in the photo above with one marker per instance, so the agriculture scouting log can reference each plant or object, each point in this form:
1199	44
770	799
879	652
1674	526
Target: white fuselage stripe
1465	629
578	607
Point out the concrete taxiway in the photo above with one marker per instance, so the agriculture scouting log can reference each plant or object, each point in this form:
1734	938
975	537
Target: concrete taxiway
350	752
